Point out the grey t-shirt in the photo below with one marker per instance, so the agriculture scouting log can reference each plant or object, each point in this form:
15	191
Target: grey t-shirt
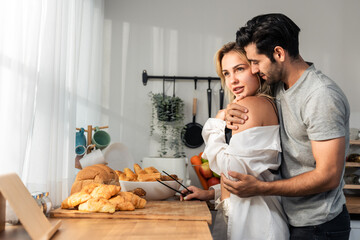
314	108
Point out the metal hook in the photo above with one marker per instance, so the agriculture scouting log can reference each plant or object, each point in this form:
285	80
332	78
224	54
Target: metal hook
163	87
144	77
174	87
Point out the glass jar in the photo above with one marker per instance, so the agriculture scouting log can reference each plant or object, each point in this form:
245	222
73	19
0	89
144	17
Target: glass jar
47	204
38	196
43	201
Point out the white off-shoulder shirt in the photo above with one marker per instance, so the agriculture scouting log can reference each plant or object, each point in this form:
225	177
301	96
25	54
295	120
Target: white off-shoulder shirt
254	151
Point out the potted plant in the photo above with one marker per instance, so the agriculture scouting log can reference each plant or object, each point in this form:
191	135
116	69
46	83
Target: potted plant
168	120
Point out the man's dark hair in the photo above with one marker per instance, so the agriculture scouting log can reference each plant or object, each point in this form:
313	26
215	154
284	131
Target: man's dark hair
268	31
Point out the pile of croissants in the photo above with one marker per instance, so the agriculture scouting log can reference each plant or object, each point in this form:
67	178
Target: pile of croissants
96	197
148	174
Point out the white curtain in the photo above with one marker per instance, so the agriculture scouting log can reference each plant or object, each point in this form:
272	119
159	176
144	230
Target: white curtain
50	82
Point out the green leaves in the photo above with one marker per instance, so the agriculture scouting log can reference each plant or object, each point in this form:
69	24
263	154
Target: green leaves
169	115
168	108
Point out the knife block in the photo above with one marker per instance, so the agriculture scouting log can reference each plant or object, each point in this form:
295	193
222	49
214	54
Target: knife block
25	207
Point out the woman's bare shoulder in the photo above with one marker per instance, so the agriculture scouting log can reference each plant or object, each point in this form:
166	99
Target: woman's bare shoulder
252	101
261	112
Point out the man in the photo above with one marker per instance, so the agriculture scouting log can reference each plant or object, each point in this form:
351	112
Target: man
314	129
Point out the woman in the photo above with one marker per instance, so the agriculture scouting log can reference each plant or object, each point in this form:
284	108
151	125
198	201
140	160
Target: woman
253	149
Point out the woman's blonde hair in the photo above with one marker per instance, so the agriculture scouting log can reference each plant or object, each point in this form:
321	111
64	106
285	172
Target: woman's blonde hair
264	89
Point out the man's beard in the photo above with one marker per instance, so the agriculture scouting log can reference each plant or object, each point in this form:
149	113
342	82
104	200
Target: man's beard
274	75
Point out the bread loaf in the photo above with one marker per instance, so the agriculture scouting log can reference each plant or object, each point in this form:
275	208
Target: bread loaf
98	173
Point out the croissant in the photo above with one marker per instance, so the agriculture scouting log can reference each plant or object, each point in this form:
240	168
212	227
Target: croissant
137	201
90	187
130	174
138	170
122	175
97	205
75	199
105	191
151	170
120	204
148	177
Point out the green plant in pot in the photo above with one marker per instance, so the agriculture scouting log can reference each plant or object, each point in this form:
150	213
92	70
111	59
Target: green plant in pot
168	119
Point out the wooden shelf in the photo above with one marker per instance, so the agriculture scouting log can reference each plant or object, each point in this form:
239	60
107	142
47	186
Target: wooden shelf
353	204
352	186
355	142
352	164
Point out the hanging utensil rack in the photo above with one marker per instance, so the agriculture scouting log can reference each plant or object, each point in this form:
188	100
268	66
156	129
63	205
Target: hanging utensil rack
146	77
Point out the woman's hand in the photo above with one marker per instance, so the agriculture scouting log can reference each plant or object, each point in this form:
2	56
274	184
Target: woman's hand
221	114
198	193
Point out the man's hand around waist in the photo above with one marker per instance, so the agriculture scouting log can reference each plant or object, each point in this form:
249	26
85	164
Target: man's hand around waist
245	186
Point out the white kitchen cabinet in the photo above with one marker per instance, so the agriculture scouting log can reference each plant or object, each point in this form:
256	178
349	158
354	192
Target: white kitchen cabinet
355	230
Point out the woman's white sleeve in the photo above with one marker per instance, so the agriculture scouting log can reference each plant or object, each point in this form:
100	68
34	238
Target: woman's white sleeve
251	151
217	191
215	147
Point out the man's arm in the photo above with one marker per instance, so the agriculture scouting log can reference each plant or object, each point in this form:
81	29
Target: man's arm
329	156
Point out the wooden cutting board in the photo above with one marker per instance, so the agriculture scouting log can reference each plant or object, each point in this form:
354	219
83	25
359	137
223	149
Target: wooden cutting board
170	210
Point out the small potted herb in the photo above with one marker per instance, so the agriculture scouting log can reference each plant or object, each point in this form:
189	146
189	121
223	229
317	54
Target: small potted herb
168	119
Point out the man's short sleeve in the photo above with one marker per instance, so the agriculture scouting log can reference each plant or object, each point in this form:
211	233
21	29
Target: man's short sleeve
324	114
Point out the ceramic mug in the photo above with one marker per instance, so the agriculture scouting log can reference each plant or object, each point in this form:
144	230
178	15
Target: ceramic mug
80	143
94	157
80	150
101	139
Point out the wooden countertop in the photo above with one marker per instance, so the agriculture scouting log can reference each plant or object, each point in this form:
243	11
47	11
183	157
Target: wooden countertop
74	228
183	220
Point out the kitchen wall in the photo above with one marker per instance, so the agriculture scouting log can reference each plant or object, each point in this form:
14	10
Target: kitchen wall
168	37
